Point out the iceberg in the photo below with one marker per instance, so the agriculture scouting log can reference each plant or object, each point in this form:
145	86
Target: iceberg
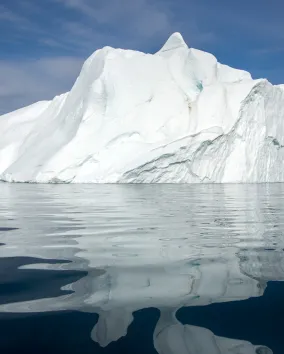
176	116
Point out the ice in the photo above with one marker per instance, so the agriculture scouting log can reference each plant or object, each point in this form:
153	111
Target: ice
177	116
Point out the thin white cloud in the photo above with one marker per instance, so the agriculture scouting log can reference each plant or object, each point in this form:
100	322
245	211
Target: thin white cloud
267	50
142	18
127	23
9	16
30	81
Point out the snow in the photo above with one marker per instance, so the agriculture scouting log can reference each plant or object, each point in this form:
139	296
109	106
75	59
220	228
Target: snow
174	116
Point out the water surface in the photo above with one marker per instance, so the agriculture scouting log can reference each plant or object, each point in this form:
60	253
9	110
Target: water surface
165	269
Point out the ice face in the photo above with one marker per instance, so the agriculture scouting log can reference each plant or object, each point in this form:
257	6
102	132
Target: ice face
174	116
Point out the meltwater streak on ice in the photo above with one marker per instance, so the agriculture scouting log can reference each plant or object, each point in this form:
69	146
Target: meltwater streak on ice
143	246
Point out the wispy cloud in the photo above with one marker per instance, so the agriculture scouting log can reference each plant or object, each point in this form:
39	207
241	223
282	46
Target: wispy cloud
129	24
118	21
12	17
139	12
267	51
33	80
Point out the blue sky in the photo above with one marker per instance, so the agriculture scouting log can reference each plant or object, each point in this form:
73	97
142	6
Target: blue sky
43	43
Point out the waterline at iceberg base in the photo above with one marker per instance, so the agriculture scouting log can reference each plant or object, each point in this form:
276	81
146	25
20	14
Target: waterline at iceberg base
177	116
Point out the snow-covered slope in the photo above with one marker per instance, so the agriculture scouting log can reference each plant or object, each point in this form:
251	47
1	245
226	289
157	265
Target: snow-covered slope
175	116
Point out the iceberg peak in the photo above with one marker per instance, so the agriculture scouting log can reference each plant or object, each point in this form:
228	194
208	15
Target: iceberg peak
175	41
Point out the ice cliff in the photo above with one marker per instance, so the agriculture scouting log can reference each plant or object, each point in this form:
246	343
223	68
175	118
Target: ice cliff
175	116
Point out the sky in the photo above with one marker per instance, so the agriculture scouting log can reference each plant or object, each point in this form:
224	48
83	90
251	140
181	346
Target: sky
43	43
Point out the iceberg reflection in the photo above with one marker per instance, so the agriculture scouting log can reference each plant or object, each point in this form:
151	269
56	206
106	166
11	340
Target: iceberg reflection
168	247
172	337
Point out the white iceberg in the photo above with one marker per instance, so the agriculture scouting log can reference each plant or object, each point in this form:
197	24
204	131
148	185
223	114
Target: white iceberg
177	116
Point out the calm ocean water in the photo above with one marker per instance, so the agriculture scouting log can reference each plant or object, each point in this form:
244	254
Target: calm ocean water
187	269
